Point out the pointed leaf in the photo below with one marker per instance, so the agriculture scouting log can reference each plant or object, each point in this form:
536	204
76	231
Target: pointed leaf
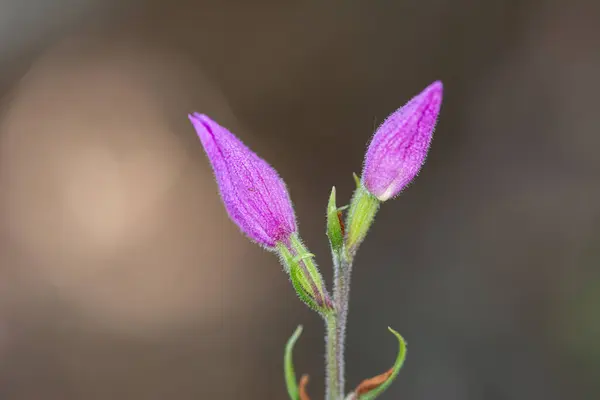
369	389
288	364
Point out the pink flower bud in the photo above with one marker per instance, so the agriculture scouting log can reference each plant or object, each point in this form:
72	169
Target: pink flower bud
254	195
399	147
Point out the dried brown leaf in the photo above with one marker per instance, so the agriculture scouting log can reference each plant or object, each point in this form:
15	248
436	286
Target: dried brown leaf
302	388
372	383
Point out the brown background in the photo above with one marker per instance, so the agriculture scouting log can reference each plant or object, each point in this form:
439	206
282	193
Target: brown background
122	278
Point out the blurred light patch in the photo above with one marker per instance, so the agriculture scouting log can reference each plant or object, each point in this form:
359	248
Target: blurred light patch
101	198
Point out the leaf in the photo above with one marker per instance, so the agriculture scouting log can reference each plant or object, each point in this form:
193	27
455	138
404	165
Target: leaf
372	383
288	364
303	384
369	389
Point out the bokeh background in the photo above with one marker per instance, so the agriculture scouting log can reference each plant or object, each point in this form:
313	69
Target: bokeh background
122	278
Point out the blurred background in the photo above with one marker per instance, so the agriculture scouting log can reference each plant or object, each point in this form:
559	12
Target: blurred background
121	276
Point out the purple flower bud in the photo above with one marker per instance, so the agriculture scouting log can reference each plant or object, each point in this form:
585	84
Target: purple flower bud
254	195
399	147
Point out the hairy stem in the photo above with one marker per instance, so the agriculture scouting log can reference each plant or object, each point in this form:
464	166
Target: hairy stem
361	215
333	391
336	329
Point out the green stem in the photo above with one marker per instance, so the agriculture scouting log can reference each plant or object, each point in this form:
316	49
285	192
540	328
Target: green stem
336	329
362	211
361	214
334	391
341	295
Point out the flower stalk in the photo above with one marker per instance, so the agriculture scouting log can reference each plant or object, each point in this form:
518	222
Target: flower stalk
334	369
336	334
361	215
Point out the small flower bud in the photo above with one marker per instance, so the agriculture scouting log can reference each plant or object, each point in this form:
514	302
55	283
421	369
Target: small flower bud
335	224
254	195
399	147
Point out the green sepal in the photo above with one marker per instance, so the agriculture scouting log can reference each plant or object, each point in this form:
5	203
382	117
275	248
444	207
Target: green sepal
361	215
303	289
304	274
335	226
288	364
356	180
391	375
